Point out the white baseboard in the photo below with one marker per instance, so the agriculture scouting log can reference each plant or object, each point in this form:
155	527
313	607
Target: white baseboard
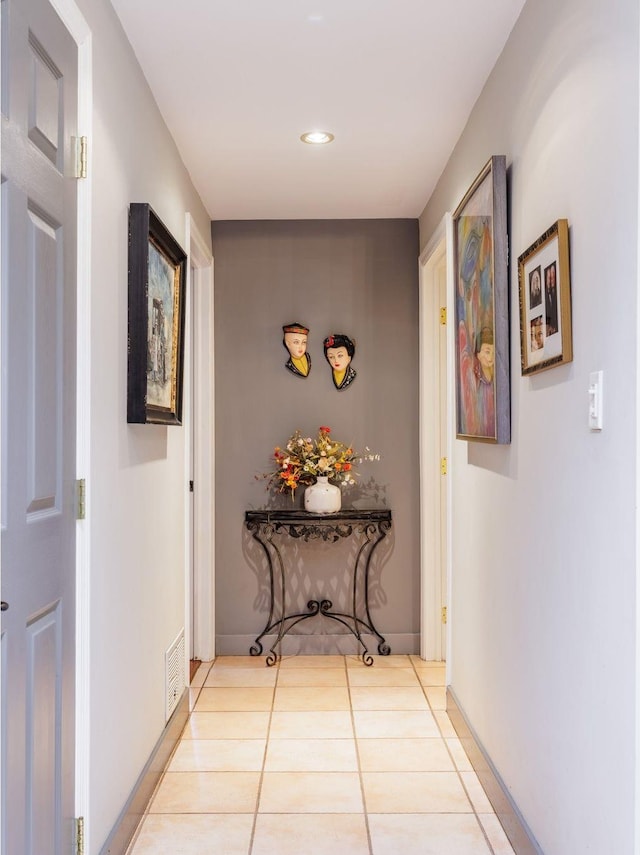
516	829
127	824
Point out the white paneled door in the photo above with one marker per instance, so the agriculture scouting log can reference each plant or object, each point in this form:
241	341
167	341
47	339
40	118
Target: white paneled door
39	106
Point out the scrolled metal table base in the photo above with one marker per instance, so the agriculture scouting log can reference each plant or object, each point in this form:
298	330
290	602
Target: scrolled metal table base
372	525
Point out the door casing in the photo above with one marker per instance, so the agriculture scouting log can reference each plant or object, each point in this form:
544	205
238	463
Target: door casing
435	513
200	511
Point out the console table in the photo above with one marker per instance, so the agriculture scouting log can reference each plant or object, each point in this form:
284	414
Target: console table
369	526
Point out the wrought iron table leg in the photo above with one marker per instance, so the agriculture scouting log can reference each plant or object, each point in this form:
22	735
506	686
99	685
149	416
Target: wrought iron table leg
383	527
256	529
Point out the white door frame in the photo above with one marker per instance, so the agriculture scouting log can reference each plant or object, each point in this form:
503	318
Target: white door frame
637	474
201	555
439	247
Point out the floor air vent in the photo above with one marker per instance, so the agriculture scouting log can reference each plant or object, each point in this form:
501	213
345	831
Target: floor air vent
175	674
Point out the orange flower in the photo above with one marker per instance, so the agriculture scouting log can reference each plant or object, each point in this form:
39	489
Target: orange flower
303	459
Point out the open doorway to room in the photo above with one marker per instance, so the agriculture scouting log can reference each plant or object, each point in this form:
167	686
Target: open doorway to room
436	420
199	462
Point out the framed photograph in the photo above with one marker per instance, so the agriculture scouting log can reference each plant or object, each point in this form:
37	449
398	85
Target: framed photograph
545	301
483	409
157	281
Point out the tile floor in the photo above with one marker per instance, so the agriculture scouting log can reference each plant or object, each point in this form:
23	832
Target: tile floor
319	755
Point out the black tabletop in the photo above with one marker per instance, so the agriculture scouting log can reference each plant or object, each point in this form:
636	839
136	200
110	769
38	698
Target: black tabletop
302	516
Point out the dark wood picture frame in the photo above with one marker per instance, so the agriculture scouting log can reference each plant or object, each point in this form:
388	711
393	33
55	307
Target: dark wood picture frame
157	283
545	301
483	403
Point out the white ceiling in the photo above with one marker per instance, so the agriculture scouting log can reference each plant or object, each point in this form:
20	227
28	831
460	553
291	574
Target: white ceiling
238	81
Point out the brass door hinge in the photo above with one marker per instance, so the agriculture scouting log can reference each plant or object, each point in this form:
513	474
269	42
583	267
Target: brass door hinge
443	315
444	614
81	156
443	465
80	499
80	835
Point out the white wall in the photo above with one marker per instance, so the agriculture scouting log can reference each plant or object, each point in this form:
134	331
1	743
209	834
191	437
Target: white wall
136	483
543	601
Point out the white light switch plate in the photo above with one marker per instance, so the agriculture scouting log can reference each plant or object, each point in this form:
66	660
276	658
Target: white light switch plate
595	400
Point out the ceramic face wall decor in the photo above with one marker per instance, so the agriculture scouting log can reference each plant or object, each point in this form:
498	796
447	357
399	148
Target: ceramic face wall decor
339	350
295	340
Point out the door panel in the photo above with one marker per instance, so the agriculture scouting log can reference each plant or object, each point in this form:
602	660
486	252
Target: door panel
45	108
38	429
45	298
43	749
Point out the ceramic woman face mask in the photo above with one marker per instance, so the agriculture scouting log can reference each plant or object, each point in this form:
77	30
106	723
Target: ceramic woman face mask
339	350
294	338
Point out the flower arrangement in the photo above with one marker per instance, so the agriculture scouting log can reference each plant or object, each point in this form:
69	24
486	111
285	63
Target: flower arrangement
304	459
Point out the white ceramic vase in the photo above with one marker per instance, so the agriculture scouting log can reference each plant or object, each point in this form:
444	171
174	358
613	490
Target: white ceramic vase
322	497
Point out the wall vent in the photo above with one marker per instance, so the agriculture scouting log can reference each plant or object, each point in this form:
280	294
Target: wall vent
174	674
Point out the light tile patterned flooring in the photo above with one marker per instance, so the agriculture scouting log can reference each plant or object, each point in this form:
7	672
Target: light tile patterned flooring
319	755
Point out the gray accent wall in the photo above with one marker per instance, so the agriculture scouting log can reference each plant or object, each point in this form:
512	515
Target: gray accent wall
358	277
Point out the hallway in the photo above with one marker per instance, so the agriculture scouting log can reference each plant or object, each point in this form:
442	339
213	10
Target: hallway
319	755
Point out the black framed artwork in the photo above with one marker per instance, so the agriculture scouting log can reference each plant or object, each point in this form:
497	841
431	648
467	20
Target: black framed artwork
157	282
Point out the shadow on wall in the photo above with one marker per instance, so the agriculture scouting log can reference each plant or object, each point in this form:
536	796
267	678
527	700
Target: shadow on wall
316	571
363	495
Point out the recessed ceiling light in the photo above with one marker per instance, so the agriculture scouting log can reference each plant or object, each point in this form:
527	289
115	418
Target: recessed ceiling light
317	137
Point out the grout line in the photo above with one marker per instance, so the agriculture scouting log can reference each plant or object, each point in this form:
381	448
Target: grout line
264	756
440	723
198	690
357	749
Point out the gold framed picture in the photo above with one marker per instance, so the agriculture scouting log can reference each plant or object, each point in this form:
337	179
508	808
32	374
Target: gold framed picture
545	301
